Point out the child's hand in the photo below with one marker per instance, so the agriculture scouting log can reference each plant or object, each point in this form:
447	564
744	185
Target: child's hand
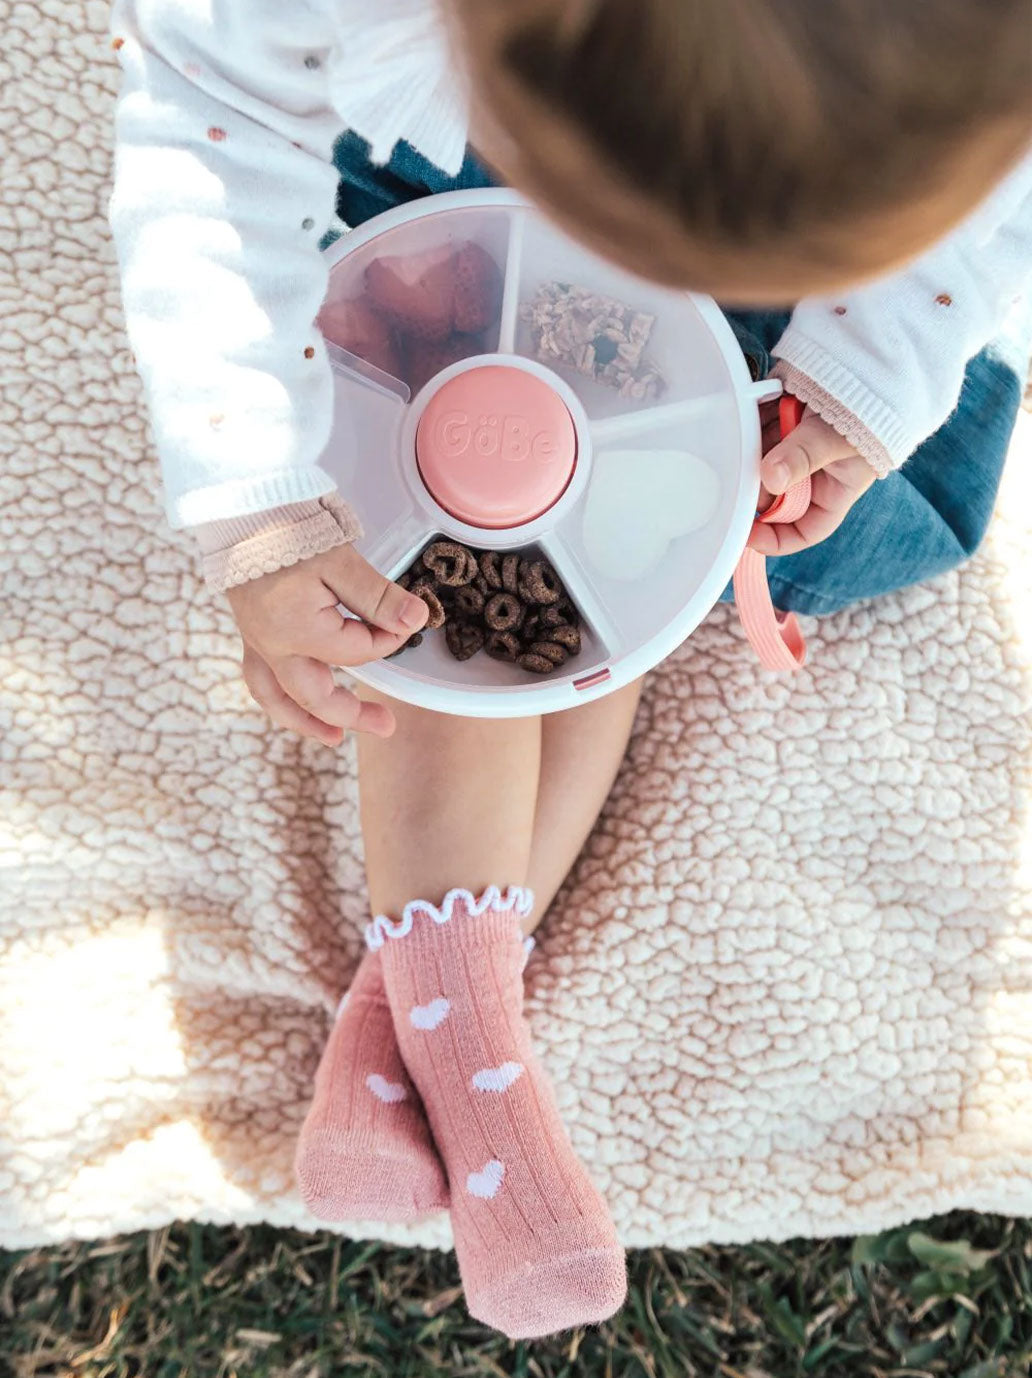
838	476
293	632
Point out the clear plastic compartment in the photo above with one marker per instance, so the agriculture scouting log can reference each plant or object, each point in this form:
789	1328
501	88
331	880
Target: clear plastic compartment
667	344
421	296
661	495
640	599
364	456
432	658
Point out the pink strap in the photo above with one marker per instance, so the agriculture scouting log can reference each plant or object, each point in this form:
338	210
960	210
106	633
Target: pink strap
776	637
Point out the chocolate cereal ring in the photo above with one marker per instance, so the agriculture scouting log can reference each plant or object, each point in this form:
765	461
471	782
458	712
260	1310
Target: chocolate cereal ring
490	564
469	600
514	608
532	630
540	665
416	639
551	650
502	645
503	612
464	639
450	563
422	589
539	583
560	615
567	637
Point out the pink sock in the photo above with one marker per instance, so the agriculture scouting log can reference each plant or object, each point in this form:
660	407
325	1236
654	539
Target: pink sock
365	1151
536	1246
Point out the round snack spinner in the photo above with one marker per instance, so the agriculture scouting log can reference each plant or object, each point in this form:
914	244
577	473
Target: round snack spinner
500	388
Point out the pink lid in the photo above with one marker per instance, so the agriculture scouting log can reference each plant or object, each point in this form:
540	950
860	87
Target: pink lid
496	447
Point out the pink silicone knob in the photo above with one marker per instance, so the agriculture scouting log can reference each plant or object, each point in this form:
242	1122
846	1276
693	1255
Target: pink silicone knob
496	447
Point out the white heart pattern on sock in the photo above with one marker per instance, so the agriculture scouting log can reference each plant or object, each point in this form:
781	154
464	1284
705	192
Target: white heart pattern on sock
486	1182
497	1078
387	1091
429	1016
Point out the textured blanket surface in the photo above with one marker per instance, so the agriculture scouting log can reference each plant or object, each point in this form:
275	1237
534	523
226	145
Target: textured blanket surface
787	988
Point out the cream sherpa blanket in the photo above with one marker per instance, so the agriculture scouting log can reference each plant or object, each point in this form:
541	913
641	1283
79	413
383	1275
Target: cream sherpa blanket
788	988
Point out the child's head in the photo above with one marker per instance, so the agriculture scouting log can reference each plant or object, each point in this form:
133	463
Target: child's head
757	149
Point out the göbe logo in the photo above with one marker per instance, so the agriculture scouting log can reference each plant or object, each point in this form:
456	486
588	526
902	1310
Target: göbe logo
507	437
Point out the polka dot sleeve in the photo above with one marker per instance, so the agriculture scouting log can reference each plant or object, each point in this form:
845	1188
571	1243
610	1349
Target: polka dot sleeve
884	364
223	187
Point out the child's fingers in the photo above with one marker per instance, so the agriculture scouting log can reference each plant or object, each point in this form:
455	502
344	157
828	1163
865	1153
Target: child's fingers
830	500
789	538
806	450
365	592
784	539
281	708
338	640
311	685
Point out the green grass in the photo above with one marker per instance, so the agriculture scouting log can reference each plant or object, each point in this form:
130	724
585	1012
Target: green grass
952	1296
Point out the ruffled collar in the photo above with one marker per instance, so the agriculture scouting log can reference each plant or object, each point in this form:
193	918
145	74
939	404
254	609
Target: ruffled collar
395	76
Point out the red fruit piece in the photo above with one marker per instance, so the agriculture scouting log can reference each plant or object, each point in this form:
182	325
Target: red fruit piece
424	358
355	326
415	292
478	288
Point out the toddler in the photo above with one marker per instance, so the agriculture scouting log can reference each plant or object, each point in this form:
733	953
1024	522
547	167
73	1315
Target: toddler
868	162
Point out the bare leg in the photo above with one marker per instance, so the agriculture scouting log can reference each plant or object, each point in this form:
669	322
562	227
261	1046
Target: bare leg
446	802
581	752
455	801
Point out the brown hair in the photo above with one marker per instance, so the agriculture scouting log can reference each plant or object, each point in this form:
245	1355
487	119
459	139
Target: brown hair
785	144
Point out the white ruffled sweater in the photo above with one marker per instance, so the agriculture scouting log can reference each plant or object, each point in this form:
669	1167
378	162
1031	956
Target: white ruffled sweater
224	185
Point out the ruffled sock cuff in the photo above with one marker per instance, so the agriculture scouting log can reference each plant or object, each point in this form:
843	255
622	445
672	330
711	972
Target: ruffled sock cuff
238	549
493	908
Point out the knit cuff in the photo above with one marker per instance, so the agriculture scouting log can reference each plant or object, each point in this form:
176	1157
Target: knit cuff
238	549
837	415
493	912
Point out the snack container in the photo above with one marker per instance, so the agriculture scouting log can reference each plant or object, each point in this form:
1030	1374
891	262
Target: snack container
498	385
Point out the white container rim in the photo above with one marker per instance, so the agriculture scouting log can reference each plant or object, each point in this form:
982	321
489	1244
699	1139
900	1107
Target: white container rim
517	701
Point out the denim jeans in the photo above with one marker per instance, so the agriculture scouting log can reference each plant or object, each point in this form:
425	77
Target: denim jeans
925	518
